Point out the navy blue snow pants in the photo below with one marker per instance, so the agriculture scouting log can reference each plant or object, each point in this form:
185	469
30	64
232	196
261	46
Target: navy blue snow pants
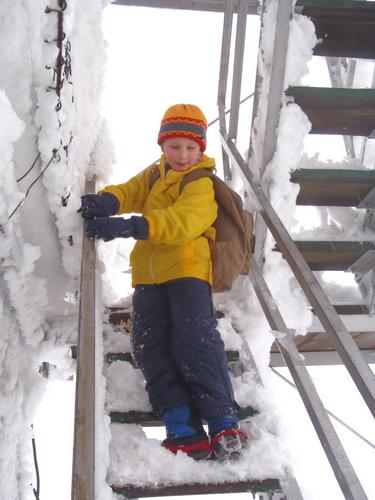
179	350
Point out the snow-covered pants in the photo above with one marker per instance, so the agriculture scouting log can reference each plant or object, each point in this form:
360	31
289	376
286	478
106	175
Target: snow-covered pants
177	346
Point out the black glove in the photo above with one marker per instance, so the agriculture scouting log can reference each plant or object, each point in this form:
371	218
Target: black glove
98	205
108	228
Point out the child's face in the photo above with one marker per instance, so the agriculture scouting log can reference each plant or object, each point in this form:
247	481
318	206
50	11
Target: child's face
181	153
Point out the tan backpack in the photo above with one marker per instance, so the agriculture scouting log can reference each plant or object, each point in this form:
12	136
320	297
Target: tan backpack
231	250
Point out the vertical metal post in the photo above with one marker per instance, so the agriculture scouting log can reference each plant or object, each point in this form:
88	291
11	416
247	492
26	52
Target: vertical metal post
335	65
224	59
263	143
364	139
83	475
223	77
237	68
269	87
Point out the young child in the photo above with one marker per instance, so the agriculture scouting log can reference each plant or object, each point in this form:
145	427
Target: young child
174	335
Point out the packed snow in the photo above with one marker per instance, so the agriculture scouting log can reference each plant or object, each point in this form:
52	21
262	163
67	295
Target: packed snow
49	144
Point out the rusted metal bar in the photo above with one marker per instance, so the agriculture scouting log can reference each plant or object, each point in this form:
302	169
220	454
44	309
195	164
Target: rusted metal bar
60	38
60	61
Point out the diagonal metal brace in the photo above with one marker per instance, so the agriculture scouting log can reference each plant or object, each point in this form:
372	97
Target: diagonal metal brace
368	201
364	274
341	466
345	346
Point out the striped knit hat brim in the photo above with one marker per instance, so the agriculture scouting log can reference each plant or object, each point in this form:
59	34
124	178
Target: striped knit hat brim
184	120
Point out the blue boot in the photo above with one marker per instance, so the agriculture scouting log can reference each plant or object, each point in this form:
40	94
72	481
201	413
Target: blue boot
185	433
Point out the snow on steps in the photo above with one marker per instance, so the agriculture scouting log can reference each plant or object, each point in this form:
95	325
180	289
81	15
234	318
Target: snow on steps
141	467
268	485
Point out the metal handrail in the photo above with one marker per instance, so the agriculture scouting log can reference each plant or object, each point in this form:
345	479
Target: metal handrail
341	466
83	474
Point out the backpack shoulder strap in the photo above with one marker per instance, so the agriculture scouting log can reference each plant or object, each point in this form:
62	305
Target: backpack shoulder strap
225	196
196	174
154	174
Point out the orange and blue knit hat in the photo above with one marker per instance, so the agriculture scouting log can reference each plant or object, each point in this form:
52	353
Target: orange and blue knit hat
184	120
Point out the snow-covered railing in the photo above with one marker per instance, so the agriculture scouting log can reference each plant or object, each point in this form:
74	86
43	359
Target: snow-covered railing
83	476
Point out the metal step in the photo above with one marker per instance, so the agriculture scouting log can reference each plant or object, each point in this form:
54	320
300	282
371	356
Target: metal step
119	316
133	491
148	419
337	110
199	5
351	309
319	341
232	356
341	188
332	255
346	28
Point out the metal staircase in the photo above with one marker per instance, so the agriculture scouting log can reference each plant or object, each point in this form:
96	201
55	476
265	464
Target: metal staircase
347	30
120	319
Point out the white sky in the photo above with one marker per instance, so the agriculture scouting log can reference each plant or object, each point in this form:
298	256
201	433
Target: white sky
158	57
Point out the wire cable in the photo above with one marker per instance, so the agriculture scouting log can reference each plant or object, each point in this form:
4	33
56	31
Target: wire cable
365	440
229	110
32	184
30	169
37	490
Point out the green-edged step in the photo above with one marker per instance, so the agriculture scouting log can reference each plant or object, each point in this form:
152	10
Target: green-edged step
332	255
350	309
337	110
121	317
118	316
110	357
345	28
341	188
131	491
148	419
126	356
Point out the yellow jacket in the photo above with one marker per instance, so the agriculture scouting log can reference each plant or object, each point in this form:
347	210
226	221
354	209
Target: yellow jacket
176	247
